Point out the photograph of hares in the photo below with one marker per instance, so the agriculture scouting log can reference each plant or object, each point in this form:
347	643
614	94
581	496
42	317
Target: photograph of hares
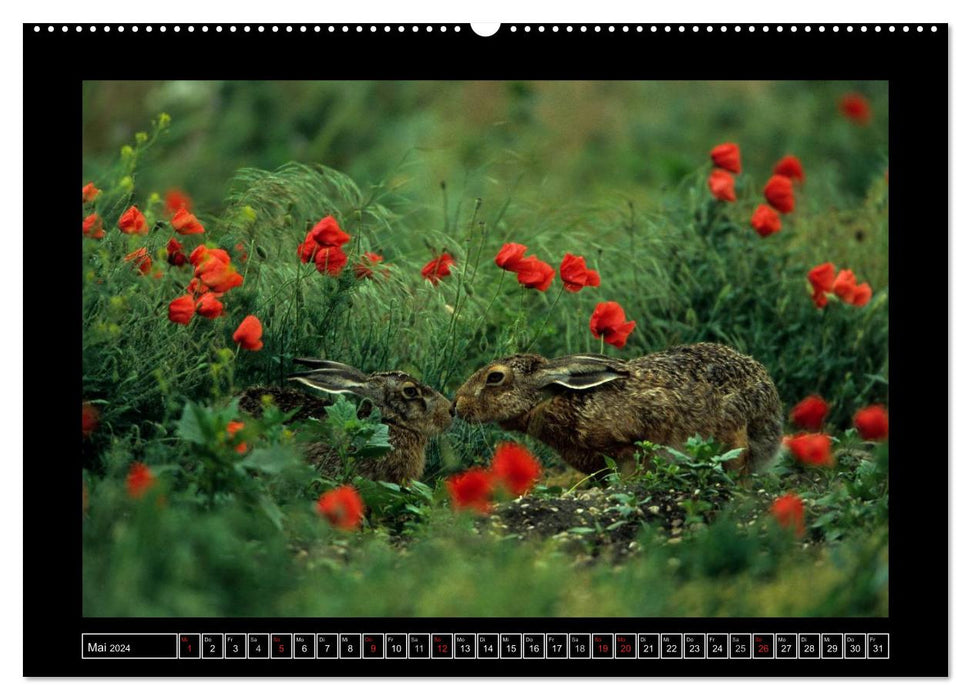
490	349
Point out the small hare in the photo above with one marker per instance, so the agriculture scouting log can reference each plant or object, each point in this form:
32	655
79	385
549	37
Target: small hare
412	411
588	406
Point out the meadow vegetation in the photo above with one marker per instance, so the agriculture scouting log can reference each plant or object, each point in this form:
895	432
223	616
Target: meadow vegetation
192	507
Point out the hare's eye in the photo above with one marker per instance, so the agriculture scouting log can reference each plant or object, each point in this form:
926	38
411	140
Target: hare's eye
410	392
495	378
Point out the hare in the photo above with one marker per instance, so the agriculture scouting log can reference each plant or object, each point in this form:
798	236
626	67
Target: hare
412	411
587	406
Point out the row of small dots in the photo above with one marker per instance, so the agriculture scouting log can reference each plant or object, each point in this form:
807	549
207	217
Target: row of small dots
513	28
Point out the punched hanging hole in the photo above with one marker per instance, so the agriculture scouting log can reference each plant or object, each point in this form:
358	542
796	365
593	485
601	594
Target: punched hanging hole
486	28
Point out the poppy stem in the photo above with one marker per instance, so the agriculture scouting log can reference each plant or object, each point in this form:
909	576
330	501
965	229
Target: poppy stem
632	229
444	206
546	320
485	314
451	336
520	319
601	345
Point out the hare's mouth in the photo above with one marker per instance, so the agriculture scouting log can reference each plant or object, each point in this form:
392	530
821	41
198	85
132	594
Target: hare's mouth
466	410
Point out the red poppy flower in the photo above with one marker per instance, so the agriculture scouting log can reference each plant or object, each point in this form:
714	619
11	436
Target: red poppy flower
365	268
515	468
861	295
198	254
328	233
608	322
766	221
241	249
92	227
533	273
342	507
89	193
438	268
223	279
133	221
722	185
855	107
778	192
209	306
139	480
176	253
176	199
201	255
185	223
142	260
509	255
575	275
789	511
232	428
330	260
728	157
822	277
471	490
218	274
249	333
810	412
307	249
811	448
195	286
181	309
790	167
90	418
872	422
844	285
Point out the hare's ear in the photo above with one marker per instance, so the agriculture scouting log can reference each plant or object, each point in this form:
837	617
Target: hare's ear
579	371
336	378
325	364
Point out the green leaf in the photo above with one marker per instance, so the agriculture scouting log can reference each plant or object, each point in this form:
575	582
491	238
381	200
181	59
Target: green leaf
421	489
825	519
377	444
731	454
341	413
271	460
391	487
680	456
191	427
272	511
581	530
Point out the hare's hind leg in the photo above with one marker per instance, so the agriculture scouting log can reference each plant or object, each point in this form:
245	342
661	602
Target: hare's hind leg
765	438
738	439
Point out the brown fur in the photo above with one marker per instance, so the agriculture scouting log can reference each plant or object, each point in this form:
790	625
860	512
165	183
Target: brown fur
587	406
411	420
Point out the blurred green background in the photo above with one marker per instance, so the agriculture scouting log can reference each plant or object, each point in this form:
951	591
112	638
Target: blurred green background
560	139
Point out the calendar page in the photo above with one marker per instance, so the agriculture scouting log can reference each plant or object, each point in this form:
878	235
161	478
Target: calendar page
569	349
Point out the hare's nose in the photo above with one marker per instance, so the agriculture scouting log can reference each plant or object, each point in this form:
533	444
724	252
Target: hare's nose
451	409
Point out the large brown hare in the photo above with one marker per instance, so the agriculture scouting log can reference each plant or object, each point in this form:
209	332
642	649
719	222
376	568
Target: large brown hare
588	406
412	411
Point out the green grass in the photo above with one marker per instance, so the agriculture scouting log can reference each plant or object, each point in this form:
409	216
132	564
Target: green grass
224	533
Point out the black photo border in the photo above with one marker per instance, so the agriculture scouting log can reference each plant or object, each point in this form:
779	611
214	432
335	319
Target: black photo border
913	58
